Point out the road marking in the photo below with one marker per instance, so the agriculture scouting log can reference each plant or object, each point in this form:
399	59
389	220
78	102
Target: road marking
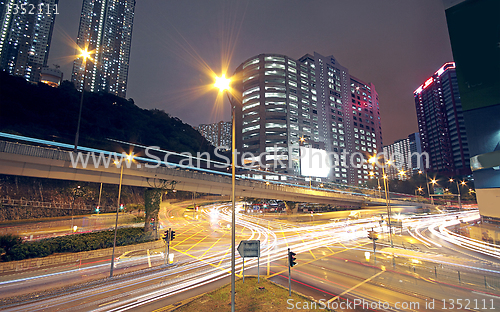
301	264
269	252
356	286
198	242
149	259
218	264
187	238
282	233
109	302
212	245
480	293
204	261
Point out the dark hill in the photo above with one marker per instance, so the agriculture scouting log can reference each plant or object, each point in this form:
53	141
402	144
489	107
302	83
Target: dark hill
51	113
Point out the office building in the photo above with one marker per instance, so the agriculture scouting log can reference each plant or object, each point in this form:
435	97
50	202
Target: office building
105	30
218	134
311	102
441	123
473	28
406	157
25	38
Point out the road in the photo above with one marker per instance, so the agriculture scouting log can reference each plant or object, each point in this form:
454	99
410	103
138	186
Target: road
331	255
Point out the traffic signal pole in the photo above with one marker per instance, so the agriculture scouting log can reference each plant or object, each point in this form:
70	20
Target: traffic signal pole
289	275
167	246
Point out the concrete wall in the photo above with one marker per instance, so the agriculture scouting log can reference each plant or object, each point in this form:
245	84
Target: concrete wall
73	258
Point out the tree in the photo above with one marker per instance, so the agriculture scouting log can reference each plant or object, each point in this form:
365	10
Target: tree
152	200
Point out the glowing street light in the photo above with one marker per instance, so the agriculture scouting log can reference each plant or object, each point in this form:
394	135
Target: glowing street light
373	160
223	84
458	190
84	54
128	158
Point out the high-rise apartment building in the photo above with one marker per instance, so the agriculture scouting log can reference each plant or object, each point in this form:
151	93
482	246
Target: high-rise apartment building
25	35
406	157
311	102
441	122
106	31
219	133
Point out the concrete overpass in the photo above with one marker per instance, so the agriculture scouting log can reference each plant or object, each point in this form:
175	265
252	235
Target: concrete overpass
41	162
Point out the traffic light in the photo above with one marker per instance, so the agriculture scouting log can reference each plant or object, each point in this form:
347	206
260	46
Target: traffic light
291	258
121	206
165	236
97	209
172	235
197	208
372	235
152	221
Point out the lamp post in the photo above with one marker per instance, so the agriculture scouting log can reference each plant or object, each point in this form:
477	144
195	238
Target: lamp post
427	183
85	55
302	140
433	181
458	191
374	160
129	158
222	83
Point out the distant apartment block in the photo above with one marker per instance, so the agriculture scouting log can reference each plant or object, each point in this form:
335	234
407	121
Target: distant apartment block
219	133
441	122
312	101
105	30
25	38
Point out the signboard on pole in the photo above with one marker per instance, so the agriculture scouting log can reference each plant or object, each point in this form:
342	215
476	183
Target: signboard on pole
250	249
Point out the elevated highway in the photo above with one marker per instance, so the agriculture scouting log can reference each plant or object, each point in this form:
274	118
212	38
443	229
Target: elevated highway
42	162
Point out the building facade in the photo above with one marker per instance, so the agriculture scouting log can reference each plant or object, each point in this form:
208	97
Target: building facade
441	123
105	30
219	133
25	37
406	157
473	28
289	105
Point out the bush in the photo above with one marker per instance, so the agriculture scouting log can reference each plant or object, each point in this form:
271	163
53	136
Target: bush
15	249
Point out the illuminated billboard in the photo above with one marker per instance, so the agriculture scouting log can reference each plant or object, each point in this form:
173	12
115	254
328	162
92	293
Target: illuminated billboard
314	162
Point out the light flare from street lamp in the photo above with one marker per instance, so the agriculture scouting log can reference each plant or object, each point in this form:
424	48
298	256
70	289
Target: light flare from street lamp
433	181
222	83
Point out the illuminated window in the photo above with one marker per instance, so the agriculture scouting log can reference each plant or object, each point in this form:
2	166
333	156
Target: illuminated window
254	61
274	59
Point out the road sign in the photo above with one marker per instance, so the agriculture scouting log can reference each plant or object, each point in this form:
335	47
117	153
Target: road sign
438	191
250	249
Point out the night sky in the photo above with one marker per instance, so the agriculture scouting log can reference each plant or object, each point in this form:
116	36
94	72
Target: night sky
395	44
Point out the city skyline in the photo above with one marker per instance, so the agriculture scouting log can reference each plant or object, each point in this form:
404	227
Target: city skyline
169	72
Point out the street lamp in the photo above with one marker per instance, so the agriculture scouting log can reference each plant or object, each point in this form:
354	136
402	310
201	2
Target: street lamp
433	181
84	54
129	158
458	190
223	84
374	160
